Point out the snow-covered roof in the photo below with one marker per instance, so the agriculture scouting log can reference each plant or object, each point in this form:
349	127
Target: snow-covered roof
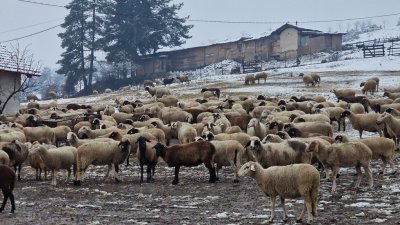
11	63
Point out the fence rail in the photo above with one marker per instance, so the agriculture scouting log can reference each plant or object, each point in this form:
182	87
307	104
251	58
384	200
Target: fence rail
373	50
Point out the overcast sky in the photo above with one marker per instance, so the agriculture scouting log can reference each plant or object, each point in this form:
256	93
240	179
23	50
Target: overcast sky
16	16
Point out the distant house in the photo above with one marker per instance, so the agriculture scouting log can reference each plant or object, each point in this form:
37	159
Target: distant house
286	42
11	70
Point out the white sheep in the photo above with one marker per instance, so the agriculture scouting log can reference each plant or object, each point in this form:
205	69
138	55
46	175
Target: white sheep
307	79
293	181
255	128
110	153
334	156
186	133
58	158
363	122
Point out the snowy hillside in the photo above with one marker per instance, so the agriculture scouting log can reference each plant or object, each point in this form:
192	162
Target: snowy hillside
385	33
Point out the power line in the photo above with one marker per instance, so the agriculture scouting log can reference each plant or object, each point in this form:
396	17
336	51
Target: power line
42	3
29	26
244	22
29	35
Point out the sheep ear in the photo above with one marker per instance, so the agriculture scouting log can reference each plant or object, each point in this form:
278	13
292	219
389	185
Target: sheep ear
248	144
252	167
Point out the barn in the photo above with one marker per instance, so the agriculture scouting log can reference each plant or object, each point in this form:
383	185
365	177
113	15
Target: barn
12	70
286	42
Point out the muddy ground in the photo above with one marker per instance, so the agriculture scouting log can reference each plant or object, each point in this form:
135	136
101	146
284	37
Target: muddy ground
194	200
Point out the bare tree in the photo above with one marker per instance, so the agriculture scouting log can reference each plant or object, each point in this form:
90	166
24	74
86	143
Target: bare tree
19	60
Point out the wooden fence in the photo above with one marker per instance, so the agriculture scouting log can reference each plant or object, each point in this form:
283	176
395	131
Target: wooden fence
373	50
394	49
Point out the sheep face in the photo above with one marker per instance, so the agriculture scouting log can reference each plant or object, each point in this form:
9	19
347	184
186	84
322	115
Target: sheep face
281	134
247	169
209	136
160	149
386	94
345	114
381	118
293	132
282	102
253	123
124	146
273	125
198	138
189	118
254	144
133	131
339	138
96	124
216	116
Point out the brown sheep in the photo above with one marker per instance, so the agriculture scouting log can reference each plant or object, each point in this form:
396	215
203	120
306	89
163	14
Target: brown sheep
7	182
249	79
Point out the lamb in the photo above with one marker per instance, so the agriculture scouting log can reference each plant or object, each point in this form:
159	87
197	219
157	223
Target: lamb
363	122
255	128
315	77
348	154
110	153
261	75
17	152
58	158
7	182
369	86
344	92
307	79
186	133
146	156
41	134
279	154
133	140
229	153
191	154
297	180
148	83
32	97
382	148
392	124
249	79
36	161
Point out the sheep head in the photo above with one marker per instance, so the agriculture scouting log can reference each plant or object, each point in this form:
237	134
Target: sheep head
124	145
293	132
247	169
209	136
339	138
345	114
199	138
133	131
386	94
381	118
313	147
160	149
253	123
254	144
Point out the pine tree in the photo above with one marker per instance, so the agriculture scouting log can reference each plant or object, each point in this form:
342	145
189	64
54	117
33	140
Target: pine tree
139	27
82	28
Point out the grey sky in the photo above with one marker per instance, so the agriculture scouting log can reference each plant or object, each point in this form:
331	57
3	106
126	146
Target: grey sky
46	46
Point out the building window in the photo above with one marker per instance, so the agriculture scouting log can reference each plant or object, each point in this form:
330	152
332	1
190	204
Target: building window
304	41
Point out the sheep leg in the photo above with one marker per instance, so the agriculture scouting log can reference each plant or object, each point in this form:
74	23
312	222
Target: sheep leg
127	160
69	175
19	171
108	171
11	195
149	172
360	132
5	198
176	178
141	172
367	169
284	209
115	172
359	174
394	170
153	169
211	170
334	173
271	218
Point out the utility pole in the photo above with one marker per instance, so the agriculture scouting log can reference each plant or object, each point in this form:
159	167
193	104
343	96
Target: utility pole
91	68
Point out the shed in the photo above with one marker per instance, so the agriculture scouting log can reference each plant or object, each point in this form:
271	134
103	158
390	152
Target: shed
12	68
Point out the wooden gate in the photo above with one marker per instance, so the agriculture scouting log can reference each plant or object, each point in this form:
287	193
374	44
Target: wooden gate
394	49
373	50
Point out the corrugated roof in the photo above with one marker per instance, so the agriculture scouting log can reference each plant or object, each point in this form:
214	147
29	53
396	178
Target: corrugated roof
10	62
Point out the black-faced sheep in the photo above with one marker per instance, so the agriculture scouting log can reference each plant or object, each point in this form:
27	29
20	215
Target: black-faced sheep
191	154
7	182
146	155
17	152
312	127
293	181
348	154
110	153
167	81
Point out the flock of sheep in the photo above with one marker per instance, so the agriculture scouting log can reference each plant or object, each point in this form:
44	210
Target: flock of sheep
280	139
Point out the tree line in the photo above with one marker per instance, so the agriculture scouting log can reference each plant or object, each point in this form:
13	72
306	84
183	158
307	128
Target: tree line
122	29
